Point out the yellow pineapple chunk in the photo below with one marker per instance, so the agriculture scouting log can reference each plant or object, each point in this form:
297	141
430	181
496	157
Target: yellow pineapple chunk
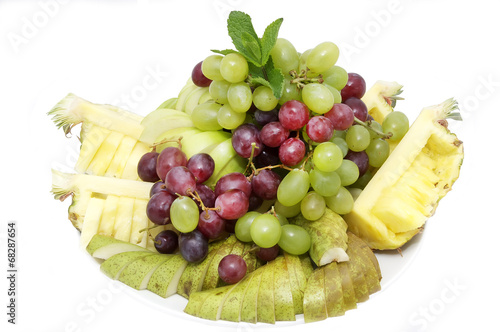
405	191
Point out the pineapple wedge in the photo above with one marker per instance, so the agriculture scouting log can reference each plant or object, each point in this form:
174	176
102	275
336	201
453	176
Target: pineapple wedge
406	190
109	136
381	98
83	187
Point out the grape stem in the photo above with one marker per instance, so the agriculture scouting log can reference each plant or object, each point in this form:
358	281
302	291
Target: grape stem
149	228
163	141
367	126
197	198
250	163
301	78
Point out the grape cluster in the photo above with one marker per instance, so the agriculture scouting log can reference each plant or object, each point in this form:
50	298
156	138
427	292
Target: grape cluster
312	148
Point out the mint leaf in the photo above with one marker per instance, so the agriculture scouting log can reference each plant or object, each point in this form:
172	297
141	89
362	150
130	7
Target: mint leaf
252	48
241	31
268	76
275	77
224	52
269	38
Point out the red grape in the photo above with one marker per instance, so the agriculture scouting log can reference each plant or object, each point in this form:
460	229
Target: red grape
206	194
193	246
158	207
268	254
293	114
211	224
242	140
355	87
157	187
202	166
265	184
166	242
180	180
235	180
232	204
358	107
341	116
169	158
273	134
292	151
146	167
268	157
360	159
232	268
264	117
319	129
198	78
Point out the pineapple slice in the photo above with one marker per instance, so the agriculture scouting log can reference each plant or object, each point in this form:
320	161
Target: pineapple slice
109	136
381	98
73	110
83	187
406	190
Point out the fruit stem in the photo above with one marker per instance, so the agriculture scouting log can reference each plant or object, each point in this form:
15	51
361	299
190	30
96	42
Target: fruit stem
197	198
305	161
367	126
250	163
149	228
163	141
301	78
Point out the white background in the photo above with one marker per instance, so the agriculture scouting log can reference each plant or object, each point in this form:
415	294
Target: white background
104	51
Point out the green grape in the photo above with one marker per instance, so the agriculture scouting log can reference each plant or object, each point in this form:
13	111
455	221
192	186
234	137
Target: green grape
341	143
294	239
363	180
396	123
184	214
265	230
327	157
355	192
228	118
293	187
204	116
218	91
340	133
322	57
340	203
357	138
282	219
312	206
377	152
324	183
317	97
348	172
290	91
336	77
377	126
234	68
337	97
239	96
264	99
211	67
242	226
285	56
303	61
287	211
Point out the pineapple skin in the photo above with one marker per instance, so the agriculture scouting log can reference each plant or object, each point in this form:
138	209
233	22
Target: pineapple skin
406	190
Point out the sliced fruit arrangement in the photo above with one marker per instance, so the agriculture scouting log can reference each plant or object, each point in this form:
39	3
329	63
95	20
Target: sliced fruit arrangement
260	191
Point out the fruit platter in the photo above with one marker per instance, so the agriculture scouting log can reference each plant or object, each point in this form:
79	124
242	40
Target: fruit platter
264	188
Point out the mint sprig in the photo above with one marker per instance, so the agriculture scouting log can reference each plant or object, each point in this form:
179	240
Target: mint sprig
256	50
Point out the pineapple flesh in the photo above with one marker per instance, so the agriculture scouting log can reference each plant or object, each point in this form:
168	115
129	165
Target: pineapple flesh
405	191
